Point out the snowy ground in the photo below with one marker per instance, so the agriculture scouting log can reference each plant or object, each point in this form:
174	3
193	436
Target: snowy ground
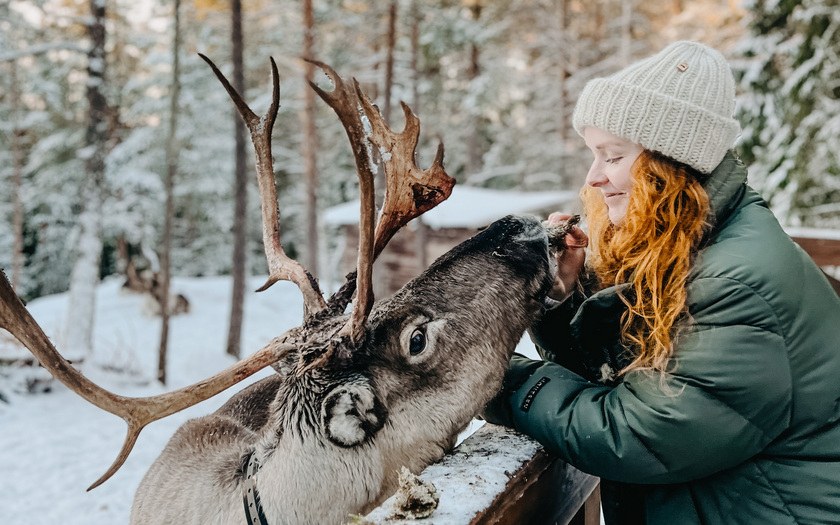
53	445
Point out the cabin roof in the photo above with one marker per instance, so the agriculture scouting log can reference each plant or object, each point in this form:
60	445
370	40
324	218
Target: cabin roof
469	207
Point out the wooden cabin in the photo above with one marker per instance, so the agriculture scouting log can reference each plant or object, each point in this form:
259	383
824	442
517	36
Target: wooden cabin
423	240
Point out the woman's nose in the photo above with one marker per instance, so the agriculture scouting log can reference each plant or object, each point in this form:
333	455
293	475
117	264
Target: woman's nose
595	176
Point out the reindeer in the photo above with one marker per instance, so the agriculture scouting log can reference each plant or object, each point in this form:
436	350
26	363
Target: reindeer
355	396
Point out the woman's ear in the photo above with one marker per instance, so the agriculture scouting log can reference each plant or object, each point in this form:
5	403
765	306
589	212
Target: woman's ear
351	414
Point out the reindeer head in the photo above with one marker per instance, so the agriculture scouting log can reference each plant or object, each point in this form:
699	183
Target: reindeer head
439	347
436	349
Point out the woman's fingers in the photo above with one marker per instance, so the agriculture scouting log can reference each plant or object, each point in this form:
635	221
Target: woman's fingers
576	238
570	260
557	218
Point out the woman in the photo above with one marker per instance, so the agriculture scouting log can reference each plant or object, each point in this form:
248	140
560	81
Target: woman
699	373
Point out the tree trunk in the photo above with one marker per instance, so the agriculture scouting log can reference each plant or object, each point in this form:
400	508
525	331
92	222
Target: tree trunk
598	32
169	185
626	21
310	143
567	42
240	190
563	125
17	180
422	245
389	61
78	335
415	54
473	146
381	272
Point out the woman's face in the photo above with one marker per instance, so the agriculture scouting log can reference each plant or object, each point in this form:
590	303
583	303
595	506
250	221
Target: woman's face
610	171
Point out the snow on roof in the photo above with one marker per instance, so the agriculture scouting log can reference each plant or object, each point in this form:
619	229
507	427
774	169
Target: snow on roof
469	207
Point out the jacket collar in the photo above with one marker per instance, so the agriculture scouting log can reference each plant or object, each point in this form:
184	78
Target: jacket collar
725	186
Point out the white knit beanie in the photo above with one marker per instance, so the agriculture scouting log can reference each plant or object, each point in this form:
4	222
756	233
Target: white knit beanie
679	102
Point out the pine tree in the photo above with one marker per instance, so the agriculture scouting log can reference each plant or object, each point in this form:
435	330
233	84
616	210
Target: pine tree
790	108
78	328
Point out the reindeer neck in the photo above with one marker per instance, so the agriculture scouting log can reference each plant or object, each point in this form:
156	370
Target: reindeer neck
291	477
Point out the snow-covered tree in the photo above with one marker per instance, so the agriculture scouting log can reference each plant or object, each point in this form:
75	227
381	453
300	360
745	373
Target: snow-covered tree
790	107
495	80
48	118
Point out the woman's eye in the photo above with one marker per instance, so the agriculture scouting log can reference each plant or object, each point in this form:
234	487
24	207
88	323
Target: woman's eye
613	160
417	343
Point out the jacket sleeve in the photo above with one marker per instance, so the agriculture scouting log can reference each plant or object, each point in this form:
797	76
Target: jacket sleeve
519	370
727	397
552	335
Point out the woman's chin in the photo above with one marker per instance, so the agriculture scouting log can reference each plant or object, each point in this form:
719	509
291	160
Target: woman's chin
616	214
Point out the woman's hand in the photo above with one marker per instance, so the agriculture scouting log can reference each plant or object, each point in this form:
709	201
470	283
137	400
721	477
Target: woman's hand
569	261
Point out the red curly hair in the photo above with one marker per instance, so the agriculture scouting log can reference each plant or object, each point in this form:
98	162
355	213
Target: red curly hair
653	249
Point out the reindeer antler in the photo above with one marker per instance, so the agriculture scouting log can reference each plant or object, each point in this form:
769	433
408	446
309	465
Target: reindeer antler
280	266
344	99
410	191
137	412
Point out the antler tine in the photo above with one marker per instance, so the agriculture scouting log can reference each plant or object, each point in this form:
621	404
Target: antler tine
344	100
280	266
410	191
339	92
247	113
137	412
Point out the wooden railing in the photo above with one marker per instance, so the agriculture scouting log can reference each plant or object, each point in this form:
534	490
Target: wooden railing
501	477
823	246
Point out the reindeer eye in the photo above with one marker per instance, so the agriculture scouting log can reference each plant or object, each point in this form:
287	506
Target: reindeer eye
417	343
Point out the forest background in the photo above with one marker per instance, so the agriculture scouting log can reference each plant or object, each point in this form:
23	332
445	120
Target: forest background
117	143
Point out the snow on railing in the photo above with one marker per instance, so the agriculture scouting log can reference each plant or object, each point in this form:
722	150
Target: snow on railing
499	476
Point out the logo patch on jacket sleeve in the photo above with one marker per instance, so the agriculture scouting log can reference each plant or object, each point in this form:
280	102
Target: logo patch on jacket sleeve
529	397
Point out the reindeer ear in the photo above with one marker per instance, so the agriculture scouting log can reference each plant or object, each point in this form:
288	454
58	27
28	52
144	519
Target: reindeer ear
351	414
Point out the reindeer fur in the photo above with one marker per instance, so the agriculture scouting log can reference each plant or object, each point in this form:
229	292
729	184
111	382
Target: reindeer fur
331	441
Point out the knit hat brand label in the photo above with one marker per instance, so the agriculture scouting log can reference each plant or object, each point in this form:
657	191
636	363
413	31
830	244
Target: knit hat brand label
529	398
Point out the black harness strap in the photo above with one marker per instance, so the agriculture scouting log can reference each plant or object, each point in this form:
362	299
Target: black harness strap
254	514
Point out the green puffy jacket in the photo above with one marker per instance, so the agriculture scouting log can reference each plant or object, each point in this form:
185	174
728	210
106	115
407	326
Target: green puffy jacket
746	426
